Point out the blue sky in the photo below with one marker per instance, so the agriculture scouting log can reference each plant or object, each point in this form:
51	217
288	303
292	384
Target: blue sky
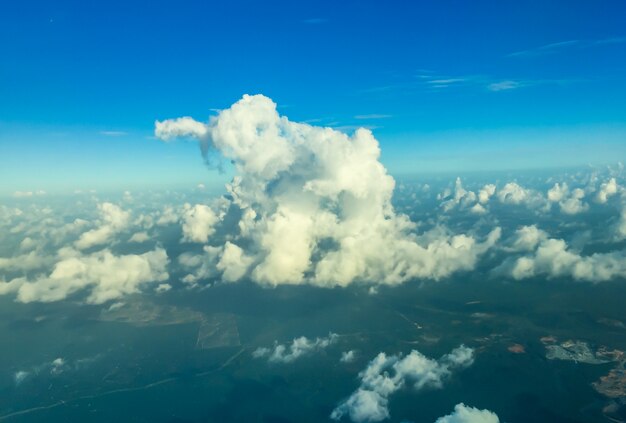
445	85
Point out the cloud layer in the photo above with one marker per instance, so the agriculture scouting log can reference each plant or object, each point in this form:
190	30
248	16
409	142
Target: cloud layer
104	275
553	258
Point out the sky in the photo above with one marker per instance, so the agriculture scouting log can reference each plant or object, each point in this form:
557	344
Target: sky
446	86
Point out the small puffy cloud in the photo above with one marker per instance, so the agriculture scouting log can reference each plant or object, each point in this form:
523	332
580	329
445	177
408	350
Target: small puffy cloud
163	287
570	202
557	192
464	414
527	238
514	194
478	209
167	216
460	197
607	189
198	223
299	347
20	376
139	237
363	405
313	205
347	356
233	262
485	193
385	375
104	275
574	204
112	221
58	365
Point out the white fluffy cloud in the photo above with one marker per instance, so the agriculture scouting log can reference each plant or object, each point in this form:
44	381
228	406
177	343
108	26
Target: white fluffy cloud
464	414
112	221
486	193
515	194
233	262
348	356
299	347
25	262
167	216
464	199
607	189
181	127
570	202
104	275
553	258
139	237
527	238
459	197
385	375
198	223
557	192
315	205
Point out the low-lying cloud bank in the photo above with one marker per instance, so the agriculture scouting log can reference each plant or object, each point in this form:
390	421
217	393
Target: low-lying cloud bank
313	206
545	256
102	274
310	205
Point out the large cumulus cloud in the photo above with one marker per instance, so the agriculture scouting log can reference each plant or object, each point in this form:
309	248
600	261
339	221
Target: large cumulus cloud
314	205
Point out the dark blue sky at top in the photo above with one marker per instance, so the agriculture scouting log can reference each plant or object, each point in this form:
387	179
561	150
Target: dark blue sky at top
429	77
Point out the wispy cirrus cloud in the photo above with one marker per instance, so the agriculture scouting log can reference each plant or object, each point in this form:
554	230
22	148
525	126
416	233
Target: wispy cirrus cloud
426	80
504	85
113	133
372	116
315	21
433	82
438	82
561	46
